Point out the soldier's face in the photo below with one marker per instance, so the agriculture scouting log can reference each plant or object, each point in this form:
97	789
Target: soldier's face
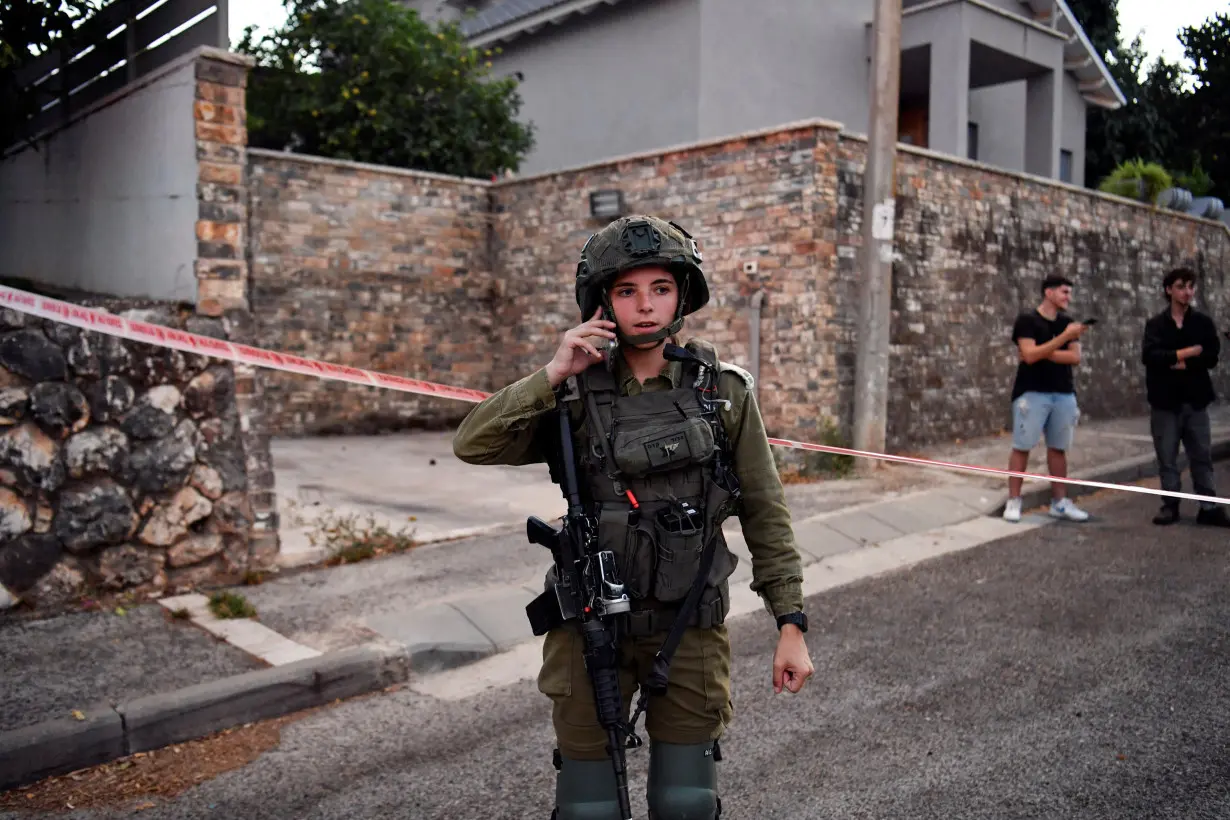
644	300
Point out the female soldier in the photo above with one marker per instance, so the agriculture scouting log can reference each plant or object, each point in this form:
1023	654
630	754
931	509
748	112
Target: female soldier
665	449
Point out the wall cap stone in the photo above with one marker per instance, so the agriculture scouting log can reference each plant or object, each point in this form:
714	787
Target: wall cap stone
683	147
1114	199
312	159
222	55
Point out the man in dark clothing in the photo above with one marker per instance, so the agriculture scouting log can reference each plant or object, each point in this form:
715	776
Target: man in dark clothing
1180	348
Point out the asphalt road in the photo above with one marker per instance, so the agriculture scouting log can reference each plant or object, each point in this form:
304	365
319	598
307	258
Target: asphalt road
1074	671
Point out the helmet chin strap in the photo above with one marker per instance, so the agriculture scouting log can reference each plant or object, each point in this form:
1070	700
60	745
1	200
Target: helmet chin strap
658	336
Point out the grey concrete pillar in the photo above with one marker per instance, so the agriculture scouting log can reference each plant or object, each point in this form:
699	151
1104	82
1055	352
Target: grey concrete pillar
1043	124
948	129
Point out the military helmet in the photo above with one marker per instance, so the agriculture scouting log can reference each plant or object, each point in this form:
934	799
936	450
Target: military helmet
637	242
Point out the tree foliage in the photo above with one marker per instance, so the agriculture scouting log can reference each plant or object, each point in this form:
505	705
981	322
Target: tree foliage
369	80
29	29
1100	20
1149	126
1208	115
1175	115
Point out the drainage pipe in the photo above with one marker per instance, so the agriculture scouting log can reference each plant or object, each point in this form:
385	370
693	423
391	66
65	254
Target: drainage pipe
753	321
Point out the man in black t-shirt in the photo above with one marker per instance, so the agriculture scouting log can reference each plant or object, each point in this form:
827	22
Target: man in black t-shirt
1044	395
1179	348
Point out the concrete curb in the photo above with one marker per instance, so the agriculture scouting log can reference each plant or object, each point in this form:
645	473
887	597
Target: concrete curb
1124	471
108	732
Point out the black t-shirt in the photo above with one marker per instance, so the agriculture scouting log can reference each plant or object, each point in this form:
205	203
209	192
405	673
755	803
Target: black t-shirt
1044	376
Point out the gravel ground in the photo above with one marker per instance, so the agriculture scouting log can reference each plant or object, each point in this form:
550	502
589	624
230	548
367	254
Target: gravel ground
50	666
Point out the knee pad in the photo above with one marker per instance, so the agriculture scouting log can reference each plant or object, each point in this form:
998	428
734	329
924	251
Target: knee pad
683	781
585	790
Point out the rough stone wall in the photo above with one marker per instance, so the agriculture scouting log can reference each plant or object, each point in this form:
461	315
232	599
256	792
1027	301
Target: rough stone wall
371	267
124	467
763	210
974	245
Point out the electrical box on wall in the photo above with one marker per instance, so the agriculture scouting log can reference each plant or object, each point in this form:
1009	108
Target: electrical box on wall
751	267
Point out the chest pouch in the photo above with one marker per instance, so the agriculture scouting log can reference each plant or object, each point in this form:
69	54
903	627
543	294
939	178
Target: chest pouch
639	451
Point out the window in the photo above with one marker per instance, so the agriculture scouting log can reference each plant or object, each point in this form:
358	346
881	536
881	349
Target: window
1065	166
971	138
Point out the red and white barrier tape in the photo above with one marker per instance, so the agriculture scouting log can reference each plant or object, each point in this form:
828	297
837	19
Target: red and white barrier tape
104	322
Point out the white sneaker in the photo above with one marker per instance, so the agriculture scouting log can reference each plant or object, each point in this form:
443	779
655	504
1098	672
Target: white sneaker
1012	510
1064	508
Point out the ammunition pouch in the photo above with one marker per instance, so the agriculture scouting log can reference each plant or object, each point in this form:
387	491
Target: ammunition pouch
710	612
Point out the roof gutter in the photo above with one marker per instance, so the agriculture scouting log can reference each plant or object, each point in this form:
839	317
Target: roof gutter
1108	79
532	22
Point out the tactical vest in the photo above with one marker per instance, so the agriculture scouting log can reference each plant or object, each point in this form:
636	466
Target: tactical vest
647	469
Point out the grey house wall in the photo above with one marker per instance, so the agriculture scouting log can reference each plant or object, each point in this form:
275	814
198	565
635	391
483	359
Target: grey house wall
109	204
1075	117
644	74
616	81
999	113
778	61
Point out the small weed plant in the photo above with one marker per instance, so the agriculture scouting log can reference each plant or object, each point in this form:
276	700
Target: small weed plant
349	539
230	605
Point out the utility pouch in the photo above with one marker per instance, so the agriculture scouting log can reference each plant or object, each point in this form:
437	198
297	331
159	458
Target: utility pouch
679	535
633	549
544	613
638	453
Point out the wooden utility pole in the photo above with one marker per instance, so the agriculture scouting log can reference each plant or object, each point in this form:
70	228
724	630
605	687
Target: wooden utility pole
875	293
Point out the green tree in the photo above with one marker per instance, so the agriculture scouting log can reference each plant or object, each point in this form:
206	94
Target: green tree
29	29
369	80
1149	127
1207	120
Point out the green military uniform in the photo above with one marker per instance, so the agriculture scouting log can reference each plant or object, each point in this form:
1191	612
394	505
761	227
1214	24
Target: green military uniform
507	428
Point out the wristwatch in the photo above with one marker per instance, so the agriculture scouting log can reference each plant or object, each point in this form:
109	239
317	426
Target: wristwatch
796	618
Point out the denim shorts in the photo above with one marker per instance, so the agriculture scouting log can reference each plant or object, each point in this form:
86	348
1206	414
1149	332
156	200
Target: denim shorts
1054	414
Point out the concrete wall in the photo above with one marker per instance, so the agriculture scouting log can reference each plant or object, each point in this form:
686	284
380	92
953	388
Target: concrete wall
109	204
778	61
1075	115
999	111
610	82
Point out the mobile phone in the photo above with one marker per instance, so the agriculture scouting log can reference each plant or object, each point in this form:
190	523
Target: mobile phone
1088	322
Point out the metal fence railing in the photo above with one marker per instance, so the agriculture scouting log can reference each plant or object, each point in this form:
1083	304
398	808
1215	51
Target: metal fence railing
118	44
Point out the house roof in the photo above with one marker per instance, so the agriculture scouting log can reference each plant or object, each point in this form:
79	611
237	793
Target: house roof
512	18
1097	85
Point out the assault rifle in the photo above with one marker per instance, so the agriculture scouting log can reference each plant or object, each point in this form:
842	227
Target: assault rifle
588	590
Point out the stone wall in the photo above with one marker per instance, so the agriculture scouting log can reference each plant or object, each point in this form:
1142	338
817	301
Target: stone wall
126	467
371	267
974	245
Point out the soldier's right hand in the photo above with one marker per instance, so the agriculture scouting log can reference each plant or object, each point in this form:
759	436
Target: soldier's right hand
578	349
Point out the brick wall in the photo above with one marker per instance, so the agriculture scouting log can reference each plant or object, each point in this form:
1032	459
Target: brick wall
373	267
766	200
471	283
220	119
